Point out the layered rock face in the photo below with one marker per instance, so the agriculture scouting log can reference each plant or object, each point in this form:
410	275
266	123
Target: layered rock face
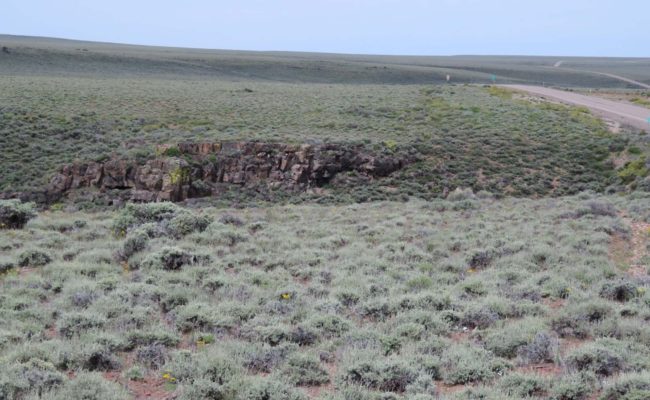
204	169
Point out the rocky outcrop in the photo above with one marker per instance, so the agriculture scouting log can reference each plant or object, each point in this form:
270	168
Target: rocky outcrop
190	170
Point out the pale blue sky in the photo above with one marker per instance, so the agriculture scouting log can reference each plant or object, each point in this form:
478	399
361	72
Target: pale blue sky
435	27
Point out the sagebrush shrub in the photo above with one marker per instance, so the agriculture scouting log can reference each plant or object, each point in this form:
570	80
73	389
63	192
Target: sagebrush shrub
74	323
267	389
33	258
305	370
622	290
35	376
389	376
152	355
597	359
523	385
463	364
168	218
631	386
91	385
14	214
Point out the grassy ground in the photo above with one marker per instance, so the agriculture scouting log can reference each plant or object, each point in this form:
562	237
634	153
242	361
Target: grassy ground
466	298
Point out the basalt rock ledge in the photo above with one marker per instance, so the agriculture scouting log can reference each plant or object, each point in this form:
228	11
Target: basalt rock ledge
192	170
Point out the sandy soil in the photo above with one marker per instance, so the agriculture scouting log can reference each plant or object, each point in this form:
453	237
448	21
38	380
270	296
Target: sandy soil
626	114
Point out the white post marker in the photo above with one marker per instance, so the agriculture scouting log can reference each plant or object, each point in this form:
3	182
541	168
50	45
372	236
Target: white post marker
448	77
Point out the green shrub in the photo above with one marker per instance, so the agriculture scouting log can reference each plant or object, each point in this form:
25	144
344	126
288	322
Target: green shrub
205	389
632	386
622	290
14	214
168	218
135	241
6	266
33	258
576	319
523	385
172	259
597	359
387	376
200	316
91	386
573	387
75	323
267	389
632	170
460	194
329	325
305	370
266	358
463	364
34	376
153	355
134	215
98	358
172	151
152	335
542	348
185	223
509	339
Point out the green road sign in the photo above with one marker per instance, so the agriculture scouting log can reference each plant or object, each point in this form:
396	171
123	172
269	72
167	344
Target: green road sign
649	120
494	78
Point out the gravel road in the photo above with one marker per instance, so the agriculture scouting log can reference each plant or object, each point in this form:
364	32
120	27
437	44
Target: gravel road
626	114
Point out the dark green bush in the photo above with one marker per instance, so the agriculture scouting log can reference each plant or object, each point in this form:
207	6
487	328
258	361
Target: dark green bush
172	151
622	290
576	319
14	214
33	258
597	359
151	336
172	259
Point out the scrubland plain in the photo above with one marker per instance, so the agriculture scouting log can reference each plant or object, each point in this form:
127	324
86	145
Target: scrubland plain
509	262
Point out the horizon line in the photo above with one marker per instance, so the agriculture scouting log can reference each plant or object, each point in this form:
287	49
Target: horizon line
165	46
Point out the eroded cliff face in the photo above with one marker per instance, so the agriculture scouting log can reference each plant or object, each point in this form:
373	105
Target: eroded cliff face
190	170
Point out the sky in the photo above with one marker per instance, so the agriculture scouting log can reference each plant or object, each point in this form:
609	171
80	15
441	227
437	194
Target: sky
418	27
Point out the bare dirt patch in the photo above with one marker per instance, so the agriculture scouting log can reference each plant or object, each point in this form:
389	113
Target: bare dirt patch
631	251
150	387
544	369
